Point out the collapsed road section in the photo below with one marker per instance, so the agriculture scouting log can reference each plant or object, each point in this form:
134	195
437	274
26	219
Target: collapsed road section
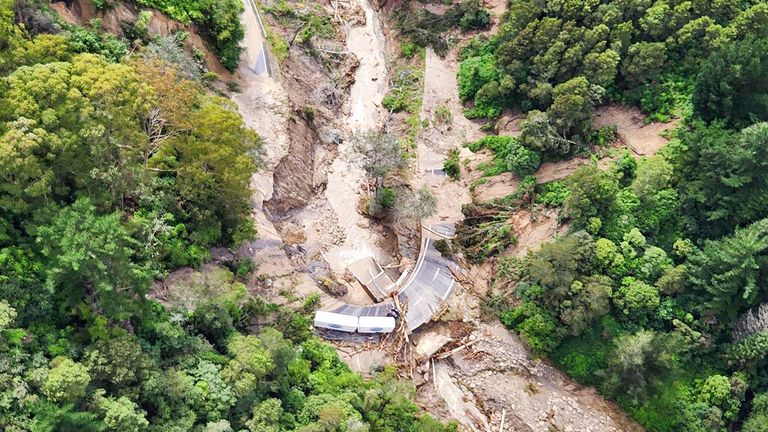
421	294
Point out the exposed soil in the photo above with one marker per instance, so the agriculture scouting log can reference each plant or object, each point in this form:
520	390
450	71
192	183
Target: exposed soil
435	142
643	139
496	187
496	375
81	12
264	105
534	228
306	208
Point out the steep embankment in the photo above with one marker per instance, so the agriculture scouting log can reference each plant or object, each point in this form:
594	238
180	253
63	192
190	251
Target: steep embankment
308	191
264	106
112	20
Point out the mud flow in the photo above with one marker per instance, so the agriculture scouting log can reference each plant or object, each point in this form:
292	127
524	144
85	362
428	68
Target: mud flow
307	209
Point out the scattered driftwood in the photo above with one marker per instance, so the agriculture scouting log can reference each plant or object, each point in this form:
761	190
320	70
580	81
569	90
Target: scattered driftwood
399	344
455	350
463	279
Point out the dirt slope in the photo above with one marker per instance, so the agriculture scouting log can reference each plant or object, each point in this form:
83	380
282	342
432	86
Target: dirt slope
498	375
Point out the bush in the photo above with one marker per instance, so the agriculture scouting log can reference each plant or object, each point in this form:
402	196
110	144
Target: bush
474	73
443	114
243	267
404	94
537	327
451	166
444	247
604	136
82	40
583	356
553	194
474	17
384	199
309	113
408	49
521	160
219	22
419	205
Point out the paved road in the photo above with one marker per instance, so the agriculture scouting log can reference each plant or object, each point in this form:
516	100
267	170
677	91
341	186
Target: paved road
429	285
424	290
255	46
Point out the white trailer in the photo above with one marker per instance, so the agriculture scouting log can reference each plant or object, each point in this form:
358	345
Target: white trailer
376	324
336	321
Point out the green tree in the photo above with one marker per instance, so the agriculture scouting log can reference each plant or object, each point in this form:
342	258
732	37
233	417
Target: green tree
121	414
118	360
724	395
758	417
266	417
644	62
636	298
593	194
214	171
600	67
214	397
557	265
733	84
10	34
639	362
589	301
7	314
728	274
67	381
89	259
51	417
251	363
329	411
725	176
573	107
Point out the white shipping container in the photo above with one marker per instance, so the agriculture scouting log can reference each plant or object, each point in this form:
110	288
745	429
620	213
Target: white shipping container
335	321
376	324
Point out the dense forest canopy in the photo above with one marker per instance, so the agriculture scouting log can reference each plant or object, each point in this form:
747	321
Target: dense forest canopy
117	166
657	295
565	57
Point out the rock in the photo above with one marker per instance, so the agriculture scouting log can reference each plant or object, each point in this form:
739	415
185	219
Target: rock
330	136
294	251
222	255
294	234
294	175
429	344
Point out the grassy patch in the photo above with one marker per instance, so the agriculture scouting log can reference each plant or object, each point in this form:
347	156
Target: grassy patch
278	44
405	92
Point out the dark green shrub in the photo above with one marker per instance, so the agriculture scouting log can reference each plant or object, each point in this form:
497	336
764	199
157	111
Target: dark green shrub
384	199
451	166
553	194
444	247
522	160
